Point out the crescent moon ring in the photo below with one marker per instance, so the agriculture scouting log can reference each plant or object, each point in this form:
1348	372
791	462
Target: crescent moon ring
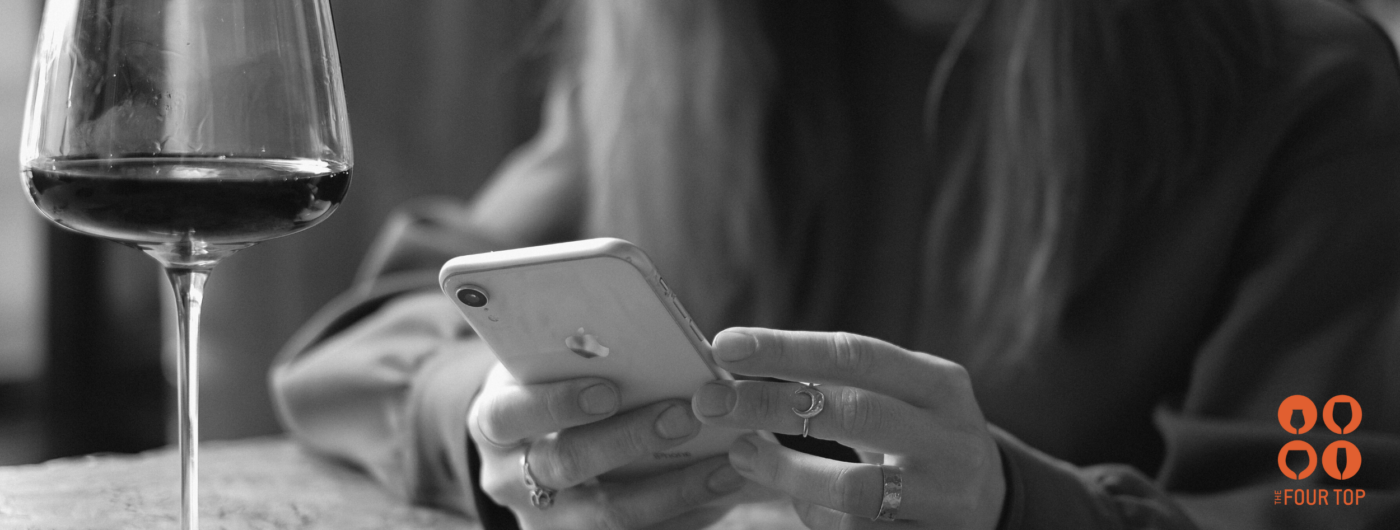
816	406
818	402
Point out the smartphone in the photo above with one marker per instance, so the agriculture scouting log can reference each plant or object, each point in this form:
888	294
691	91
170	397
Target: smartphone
596	307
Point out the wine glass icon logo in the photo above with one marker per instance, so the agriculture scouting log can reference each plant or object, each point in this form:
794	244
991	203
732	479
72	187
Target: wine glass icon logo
1330	456
585	345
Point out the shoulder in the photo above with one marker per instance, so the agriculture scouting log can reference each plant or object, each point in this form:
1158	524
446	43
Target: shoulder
1322	123
1245	86
1332	78
1326	38
1298	40
1266	44
1309	80
1328	23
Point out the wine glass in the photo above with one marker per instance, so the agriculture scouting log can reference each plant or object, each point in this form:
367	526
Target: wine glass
190	129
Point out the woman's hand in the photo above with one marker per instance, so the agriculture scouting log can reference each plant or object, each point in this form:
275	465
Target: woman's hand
573	434
915	409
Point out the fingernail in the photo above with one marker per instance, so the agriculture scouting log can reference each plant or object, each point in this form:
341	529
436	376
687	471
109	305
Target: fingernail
741	454
725	480
716	399
598	399
676	422
733	346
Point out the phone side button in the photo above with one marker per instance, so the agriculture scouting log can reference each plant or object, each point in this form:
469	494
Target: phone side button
676	303
695	329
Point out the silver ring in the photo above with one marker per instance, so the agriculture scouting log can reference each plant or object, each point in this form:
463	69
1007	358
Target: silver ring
541	497
893	480
814	407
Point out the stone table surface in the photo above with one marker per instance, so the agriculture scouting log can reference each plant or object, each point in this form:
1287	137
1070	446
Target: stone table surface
262	484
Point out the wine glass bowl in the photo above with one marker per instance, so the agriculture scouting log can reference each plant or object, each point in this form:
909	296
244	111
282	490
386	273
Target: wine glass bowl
150	121
189	129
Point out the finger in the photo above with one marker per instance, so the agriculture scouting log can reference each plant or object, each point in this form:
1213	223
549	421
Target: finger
858	418
842	358
819	517
510	413
576	455
656	499
846	487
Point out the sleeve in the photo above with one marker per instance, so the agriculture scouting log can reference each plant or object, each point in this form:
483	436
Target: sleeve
1308	307
381	377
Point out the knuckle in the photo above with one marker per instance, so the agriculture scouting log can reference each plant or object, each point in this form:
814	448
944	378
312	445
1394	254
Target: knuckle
959	378
567	467
859	412
772	400
490	426
636	443
559	404
639	438
776	347
954	376
980	454
848	492
848	353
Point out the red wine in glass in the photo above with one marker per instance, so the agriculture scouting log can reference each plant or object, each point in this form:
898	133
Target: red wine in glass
218	203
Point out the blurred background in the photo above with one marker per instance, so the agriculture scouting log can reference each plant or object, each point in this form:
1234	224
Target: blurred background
439	91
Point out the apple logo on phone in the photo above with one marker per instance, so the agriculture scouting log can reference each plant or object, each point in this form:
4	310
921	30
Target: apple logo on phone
585	345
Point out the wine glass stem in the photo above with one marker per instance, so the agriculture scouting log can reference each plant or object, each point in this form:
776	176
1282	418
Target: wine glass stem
189	294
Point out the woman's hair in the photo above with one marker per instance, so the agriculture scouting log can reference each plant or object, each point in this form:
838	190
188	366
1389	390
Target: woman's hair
1082	109
672	98
1084	112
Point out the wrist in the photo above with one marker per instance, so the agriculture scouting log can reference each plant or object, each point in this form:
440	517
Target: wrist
442	395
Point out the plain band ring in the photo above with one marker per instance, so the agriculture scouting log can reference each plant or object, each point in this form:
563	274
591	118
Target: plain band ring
540	497
814	407
893	491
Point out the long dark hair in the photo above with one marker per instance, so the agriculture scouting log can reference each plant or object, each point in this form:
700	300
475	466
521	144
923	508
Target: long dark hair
1048	155
1087	111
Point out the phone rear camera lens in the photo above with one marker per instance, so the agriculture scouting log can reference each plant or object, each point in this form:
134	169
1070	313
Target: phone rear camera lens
471	297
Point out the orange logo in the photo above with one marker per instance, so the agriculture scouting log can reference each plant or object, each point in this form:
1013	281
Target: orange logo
1331	455
1329	460
1298	445
1299	403
1331	424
